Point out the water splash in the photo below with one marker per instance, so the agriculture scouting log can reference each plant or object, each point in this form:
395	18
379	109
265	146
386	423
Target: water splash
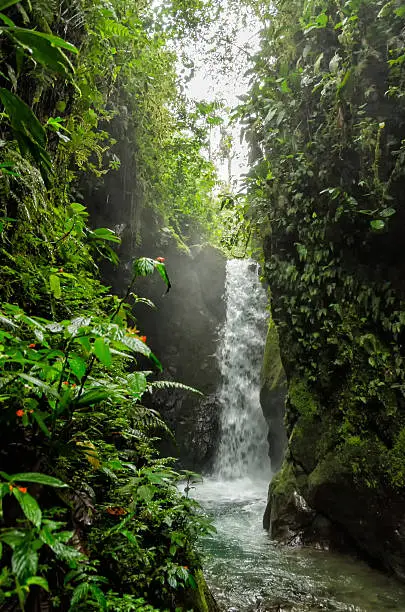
243	447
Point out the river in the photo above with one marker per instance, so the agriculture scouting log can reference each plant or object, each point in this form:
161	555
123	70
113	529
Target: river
245	570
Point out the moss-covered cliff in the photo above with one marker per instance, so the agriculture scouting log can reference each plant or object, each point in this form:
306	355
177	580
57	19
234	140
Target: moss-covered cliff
329	116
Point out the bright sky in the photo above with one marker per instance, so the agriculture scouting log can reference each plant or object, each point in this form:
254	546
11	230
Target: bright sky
209	83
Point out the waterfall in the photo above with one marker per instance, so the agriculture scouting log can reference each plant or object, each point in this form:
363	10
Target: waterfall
243	447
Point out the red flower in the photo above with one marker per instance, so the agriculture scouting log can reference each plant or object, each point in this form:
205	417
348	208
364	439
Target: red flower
33	345
22	489
65	382
160	259
20	413
142	338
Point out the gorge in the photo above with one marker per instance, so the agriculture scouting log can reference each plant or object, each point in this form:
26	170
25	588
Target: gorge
163	316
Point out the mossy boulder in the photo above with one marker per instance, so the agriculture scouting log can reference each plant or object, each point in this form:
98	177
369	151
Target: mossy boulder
198	599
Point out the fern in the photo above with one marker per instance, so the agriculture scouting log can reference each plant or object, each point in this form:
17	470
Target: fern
169	384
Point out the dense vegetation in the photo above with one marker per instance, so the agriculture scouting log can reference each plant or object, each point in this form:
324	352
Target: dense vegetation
326	119
91	517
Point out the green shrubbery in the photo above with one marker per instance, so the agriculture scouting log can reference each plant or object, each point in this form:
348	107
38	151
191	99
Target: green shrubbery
91	517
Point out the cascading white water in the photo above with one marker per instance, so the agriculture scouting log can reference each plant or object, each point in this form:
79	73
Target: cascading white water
244	569
243	447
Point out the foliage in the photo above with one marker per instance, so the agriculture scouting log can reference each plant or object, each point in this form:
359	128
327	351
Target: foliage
326	120
91	517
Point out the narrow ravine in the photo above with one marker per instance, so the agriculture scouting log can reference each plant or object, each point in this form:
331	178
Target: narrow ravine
244	568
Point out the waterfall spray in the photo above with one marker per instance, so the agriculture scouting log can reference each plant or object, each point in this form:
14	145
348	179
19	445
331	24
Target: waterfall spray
243	447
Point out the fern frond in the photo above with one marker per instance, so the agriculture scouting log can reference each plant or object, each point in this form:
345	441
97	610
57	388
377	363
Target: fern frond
170	384
146	419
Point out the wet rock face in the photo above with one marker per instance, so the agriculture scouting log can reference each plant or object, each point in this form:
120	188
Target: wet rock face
183	330
184	333
272	398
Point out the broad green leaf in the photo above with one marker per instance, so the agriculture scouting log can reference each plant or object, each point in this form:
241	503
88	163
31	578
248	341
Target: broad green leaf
12	537
41	423
77	365
192	581
54	41
145	492
161	268
137	384
94	396
40	384
54	282
29	506
144	266
7	3
27	130
387	212
103	233
322	20
38	581
45	49
24	561
21	116
10	24
102	351
38	478
377	224
400	12
136	345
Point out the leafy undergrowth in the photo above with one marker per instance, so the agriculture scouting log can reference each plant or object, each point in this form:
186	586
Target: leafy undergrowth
91	517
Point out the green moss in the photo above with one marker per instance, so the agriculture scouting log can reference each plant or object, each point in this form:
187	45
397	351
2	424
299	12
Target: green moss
200	598
284	483
301	398
273	375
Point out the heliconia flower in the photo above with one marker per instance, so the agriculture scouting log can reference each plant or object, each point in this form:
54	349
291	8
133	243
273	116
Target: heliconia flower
142	338
19	412
160	259
22	489
32	345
